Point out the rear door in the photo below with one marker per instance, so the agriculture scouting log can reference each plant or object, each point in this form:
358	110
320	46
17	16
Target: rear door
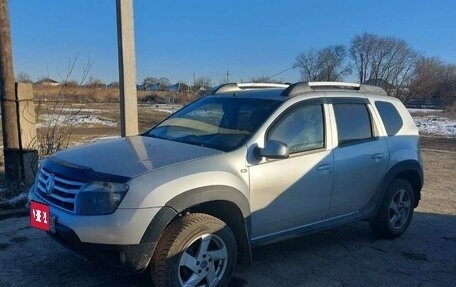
360	158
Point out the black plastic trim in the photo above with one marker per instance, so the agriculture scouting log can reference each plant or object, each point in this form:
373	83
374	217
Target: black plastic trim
408	165
137	256
79	173
306	229
210	193
158	224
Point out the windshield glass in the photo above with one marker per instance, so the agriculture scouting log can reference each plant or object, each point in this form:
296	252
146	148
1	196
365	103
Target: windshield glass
216	122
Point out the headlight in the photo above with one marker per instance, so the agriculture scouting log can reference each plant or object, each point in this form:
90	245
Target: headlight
100	197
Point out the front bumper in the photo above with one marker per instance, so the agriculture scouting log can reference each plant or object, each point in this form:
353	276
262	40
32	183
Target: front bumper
123	227
116	241
130	258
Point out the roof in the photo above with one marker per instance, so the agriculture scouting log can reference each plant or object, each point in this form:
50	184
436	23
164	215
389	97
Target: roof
47	80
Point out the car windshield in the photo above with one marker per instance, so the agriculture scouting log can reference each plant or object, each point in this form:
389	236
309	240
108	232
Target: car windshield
222	123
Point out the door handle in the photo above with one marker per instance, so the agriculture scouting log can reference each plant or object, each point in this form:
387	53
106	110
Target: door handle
324	167
377	156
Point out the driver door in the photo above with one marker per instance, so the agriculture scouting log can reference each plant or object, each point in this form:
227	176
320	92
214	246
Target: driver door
289	193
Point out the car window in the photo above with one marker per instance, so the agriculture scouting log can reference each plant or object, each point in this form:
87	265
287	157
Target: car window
353	122
301	128
223	123
390	117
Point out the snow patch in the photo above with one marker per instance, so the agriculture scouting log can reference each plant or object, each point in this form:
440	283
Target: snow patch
435	125
75	120
76	110
164	108
424	111
105	138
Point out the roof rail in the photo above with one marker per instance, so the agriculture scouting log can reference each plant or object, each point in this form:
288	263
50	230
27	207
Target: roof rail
236	87
304	87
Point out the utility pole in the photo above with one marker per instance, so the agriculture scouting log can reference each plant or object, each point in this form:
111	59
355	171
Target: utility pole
10	127
227	77
127	68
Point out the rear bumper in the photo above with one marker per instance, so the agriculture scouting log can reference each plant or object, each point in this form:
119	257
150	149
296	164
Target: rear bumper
132	258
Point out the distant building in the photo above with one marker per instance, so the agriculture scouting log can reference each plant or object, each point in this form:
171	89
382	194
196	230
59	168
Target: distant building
423	103
47	82
151	87
156	87
179	87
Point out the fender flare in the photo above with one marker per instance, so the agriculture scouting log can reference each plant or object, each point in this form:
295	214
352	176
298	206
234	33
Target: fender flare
191	198
403	166
210	193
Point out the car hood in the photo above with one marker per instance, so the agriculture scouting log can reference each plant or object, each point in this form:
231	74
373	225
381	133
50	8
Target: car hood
125	157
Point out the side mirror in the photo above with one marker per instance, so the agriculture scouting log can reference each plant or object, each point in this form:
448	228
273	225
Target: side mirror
275	150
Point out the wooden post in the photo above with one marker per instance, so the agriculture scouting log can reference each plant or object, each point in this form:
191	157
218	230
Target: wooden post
127	68
10	130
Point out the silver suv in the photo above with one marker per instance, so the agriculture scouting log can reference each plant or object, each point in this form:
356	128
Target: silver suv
247	165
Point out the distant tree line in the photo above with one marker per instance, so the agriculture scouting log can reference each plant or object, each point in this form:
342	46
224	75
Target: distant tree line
387	62
382	61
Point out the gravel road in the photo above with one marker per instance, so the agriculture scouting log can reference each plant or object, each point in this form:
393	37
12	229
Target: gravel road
346	256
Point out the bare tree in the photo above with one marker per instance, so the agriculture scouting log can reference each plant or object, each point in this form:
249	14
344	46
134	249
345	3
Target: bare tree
433	79
59	115
149	81
23	78
264	79
163	81
309	65
202	83
333	65
384	61
95	83
71	83
327	64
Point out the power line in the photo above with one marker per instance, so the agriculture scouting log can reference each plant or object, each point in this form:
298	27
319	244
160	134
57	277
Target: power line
281	72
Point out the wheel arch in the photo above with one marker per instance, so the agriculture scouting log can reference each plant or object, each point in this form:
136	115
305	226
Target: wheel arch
226	203
410	170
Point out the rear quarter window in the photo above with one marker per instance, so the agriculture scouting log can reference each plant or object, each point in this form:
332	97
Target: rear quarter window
391	118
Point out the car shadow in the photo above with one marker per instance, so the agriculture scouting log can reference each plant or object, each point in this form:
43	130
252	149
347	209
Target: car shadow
352	254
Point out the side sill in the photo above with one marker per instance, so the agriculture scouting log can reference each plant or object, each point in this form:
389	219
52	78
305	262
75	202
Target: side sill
307	229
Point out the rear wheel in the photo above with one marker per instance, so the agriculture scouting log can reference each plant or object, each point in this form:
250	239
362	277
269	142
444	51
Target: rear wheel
195	250
396	210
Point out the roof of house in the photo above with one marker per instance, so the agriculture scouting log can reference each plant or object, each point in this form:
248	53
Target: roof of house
47	80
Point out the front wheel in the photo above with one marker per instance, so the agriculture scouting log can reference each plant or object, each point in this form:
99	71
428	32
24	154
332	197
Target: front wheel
396	210
195	250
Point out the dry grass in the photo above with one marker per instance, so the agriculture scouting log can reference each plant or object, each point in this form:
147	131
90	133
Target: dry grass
76	94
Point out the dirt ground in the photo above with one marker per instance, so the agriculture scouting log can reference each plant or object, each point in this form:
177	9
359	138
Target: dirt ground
349	255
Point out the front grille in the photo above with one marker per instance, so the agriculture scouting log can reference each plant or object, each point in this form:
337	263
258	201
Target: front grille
61	193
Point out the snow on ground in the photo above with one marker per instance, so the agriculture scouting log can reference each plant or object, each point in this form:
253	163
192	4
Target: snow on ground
75	120
424	111
432	122
76	110
165	108
435	125
105	138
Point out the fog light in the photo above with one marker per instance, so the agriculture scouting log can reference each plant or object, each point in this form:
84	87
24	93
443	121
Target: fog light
123	257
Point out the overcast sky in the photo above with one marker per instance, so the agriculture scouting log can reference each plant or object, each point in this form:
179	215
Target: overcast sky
249	38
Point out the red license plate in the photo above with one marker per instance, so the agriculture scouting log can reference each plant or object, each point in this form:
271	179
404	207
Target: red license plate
40	216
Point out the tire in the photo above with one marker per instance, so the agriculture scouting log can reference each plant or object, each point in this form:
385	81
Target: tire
396	210
195	250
